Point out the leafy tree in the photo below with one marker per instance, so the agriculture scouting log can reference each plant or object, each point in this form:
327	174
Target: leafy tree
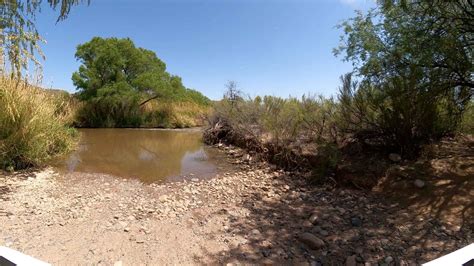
19	38
115	71
415	63
109	61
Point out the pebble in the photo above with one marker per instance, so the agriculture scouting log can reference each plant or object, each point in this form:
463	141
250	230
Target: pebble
255	233
395	157
311	241
388	259
351	261
419	183
163	198
314	218
356	221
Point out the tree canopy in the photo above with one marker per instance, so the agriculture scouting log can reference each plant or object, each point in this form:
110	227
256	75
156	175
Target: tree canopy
113	66
415	63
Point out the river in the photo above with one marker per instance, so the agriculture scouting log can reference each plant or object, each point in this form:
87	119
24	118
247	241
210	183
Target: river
148	155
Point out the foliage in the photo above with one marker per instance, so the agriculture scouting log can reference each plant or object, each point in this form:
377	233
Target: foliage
117	80
290	132
19	38
415	62
467	123
32	125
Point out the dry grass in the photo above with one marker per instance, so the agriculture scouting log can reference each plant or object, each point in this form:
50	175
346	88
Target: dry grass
32	124
174	114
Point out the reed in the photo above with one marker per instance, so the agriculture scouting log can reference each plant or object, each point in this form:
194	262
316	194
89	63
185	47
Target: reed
33	124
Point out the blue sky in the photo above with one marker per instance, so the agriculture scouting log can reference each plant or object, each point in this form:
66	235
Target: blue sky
275	47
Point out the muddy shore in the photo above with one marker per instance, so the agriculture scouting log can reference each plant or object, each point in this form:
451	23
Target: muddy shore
257	214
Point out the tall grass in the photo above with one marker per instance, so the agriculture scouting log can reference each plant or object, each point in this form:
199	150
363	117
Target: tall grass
174	114
33	125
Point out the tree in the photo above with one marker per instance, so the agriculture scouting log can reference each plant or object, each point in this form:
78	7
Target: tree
110	61
19	38
415	63
116	79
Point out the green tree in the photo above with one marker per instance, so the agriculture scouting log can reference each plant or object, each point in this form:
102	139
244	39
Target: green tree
19	38
114	72
110	61
415	65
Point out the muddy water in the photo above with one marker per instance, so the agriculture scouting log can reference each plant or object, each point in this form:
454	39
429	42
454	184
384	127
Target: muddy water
149	155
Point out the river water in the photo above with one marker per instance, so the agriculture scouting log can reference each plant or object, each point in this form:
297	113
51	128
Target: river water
148	155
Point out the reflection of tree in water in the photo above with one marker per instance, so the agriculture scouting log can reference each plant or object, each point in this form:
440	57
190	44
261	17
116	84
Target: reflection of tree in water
150	155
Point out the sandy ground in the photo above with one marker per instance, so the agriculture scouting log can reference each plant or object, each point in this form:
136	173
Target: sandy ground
254	215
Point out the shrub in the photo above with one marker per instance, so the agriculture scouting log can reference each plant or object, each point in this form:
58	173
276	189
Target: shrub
32	125
292	133
398	112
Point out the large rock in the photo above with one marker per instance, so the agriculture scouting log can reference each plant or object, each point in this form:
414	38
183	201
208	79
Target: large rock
311	241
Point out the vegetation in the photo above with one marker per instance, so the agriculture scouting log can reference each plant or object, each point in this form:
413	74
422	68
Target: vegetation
32	125
293	133
415	62
412	84
120	84
19	38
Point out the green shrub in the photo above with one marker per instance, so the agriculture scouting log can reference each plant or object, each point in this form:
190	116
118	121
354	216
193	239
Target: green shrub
398	112
32	127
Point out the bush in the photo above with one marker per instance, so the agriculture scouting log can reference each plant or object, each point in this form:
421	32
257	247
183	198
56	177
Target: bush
399	113
467	122
293	133
32	125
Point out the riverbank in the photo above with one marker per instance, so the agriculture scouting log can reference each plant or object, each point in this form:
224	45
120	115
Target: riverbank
255	215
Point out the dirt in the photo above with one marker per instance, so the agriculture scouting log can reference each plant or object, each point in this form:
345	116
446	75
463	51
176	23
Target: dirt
257	214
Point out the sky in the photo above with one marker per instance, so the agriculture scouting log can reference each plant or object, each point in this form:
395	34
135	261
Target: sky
269	47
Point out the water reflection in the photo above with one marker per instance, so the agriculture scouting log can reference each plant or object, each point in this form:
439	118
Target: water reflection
150	155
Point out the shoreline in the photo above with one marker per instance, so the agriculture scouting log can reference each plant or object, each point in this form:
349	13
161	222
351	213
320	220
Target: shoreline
257	215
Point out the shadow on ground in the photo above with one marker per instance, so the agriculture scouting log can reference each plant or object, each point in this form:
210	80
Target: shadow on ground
399	223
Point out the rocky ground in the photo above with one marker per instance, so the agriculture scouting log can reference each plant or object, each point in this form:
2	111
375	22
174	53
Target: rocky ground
256	214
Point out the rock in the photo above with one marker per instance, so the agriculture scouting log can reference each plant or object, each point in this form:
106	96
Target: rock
388	259
163	198
356	221
307	223
314	218
140	239
351	261
311	241
118	263
195	179
395	157
286	187
255	233
324	233
419	183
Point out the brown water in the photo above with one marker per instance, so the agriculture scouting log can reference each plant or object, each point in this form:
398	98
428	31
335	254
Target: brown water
149	155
